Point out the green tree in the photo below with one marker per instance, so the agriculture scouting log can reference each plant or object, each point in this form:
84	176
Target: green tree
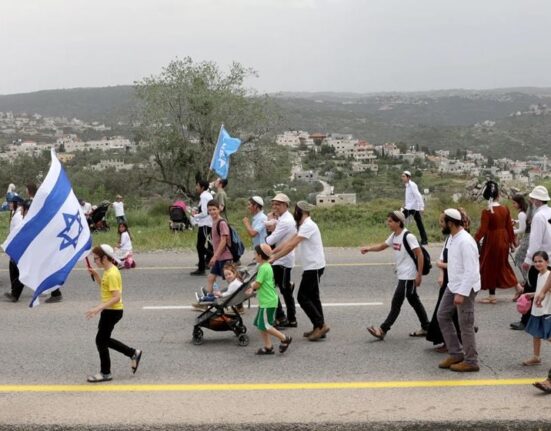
181	112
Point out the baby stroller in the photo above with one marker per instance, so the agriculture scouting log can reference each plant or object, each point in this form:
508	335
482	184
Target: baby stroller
98	220
179	220
217	318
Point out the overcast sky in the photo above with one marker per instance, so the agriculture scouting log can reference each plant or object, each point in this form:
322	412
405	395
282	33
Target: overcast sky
295	45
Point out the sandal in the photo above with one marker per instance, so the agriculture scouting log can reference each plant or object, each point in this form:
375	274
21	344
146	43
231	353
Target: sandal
265	351
532	361
419	333
544	386
377	332
99	377
135	361
488	300
284	345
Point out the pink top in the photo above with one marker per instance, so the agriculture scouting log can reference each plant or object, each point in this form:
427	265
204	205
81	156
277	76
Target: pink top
224	230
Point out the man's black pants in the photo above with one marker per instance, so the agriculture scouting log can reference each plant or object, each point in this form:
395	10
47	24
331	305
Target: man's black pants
309	296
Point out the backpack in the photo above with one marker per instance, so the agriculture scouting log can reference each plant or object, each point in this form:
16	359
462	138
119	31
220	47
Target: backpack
235	246
426	256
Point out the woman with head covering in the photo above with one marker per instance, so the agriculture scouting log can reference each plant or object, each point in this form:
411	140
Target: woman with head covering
497	238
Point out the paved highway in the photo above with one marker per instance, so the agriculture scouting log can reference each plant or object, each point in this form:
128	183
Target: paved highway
347	380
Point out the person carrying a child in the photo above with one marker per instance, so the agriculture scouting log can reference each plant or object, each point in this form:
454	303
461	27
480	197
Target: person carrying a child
264	285
539	323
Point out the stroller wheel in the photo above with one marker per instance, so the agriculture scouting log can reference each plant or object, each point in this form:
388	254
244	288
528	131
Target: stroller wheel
243	340
197	336
243	329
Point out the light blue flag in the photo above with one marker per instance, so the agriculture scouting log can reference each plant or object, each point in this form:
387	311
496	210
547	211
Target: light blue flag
225	146
53	236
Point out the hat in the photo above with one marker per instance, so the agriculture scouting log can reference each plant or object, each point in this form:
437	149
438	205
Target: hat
400	216
119	197
108	250
453	214
540	193
408	173
281	197
258	200
305	206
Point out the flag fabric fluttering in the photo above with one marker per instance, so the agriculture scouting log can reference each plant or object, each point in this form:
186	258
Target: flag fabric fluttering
225	146
53	236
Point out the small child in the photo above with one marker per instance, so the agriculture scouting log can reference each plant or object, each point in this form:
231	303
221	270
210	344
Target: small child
267	302
123	250
271	221
231	275
539	324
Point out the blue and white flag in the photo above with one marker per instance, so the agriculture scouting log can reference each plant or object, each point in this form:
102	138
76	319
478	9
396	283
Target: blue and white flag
225	147
53	236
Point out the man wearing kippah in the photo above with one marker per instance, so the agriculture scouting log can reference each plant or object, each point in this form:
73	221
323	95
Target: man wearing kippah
309	247
414	205
460	294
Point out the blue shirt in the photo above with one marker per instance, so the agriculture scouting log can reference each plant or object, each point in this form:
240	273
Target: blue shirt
258	225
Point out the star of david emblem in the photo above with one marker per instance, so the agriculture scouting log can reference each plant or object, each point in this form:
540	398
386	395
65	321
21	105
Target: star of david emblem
72	231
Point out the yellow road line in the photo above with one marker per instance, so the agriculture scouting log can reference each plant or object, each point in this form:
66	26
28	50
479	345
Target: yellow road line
109	387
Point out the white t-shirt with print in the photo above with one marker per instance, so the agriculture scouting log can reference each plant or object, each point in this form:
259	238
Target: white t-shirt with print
406	269
310	249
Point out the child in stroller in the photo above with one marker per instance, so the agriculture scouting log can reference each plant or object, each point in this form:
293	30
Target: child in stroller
98	221
234	279
222	313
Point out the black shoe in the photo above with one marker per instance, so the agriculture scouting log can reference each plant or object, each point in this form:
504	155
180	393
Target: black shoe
288	324
197	272
517	326
53	299
281	324
10	297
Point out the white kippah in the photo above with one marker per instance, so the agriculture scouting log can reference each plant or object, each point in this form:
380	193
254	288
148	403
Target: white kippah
453	213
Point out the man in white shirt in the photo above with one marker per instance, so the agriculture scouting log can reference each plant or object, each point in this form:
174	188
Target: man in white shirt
414	205
460	294
307	242
539	240
285	229
204	223
408	271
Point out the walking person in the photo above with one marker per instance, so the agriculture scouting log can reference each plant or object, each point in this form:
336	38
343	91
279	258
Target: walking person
414	205
539	323
408	271
498	239
284	230
19	209
256	229
264	285
542	300
522	231
539	240
204	224
111	309
307	241
459	296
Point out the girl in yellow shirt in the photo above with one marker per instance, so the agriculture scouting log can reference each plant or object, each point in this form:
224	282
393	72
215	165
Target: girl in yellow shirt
111	310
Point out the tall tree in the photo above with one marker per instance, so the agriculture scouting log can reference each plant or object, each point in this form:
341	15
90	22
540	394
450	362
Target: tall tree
182	110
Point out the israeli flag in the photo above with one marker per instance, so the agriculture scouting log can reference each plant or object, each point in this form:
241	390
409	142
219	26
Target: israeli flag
225	146
53	236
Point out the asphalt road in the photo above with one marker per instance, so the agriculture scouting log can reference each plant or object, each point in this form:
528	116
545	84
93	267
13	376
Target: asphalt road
348	381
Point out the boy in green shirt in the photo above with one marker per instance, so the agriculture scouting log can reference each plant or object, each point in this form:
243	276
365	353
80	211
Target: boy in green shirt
264	284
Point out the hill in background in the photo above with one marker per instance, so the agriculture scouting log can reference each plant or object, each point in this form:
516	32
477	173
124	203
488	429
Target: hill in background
485	120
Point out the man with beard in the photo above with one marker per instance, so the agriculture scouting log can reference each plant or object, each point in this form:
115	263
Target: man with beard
309	247
460	294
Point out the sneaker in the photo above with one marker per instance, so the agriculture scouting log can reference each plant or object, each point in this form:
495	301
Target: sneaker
99	377
197	272
9	297
464	367
53	299
449	361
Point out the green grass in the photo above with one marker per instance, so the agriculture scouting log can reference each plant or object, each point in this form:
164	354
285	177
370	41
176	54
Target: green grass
341	226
